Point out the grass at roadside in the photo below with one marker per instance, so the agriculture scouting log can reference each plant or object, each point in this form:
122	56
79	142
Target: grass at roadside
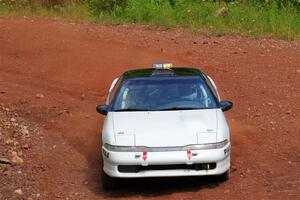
77	12
251	19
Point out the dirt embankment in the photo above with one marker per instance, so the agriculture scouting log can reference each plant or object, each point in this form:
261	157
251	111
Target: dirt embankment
53	73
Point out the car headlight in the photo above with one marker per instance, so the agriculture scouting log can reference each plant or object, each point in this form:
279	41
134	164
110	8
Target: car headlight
217	145
124	148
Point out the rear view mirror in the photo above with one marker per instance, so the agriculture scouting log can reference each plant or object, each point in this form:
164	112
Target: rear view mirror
102	109
226	105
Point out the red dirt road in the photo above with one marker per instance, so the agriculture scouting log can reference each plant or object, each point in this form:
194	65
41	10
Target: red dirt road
73	64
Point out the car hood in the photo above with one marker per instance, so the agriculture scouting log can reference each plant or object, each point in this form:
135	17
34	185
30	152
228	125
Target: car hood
166	128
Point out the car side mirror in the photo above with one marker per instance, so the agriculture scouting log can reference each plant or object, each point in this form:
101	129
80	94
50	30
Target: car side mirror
102	109
226	105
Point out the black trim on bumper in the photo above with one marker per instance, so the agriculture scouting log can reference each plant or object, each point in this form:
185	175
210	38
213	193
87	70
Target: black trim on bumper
139	168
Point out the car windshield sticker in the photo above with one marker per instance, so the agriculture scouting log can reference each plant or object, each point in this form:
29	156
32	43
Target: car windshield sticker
205	96
124	98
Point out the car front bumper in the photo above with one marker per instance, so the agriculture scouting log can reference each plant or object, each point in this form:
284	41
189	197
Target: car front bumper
215	162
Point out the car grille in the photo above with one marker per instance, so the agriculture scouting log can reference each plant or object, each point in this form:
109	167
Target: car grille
139	168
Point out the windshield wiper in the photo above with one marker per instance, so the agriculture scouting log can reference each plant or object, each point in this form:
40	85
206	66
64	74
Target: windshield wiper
181	108
130	109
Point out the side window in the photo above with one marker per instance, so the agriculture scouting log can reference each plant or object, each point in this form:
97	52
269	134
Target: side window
113	91
211	86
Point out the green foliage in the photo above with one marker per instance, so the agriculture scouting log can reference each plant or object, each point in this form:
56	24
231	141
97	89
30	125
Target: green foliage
69	9
99	6
278	3
38	3
253	17
275	18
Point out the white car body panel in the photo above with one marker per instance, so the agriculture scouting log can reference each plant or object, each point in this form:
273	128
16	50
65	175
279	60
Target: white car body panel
168	128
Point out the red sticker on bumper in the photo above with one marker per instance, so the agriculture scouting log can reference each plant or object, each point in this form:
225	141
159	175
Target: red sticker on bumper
144	155
189	154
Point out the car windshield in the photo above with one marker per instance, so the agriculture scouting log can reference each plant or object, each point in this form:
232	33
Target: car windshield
163	93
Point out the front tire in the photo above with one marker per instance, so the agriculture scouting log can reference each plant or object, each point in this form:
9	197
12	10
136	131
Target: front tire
225	176
108	182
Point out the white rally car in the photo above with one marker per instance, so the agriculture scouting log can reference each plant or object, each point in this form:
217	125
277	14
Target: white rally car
162	122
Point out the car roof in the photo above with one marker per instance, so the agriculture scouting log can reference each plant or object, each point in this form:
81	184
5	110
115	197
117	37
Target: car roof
152	72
